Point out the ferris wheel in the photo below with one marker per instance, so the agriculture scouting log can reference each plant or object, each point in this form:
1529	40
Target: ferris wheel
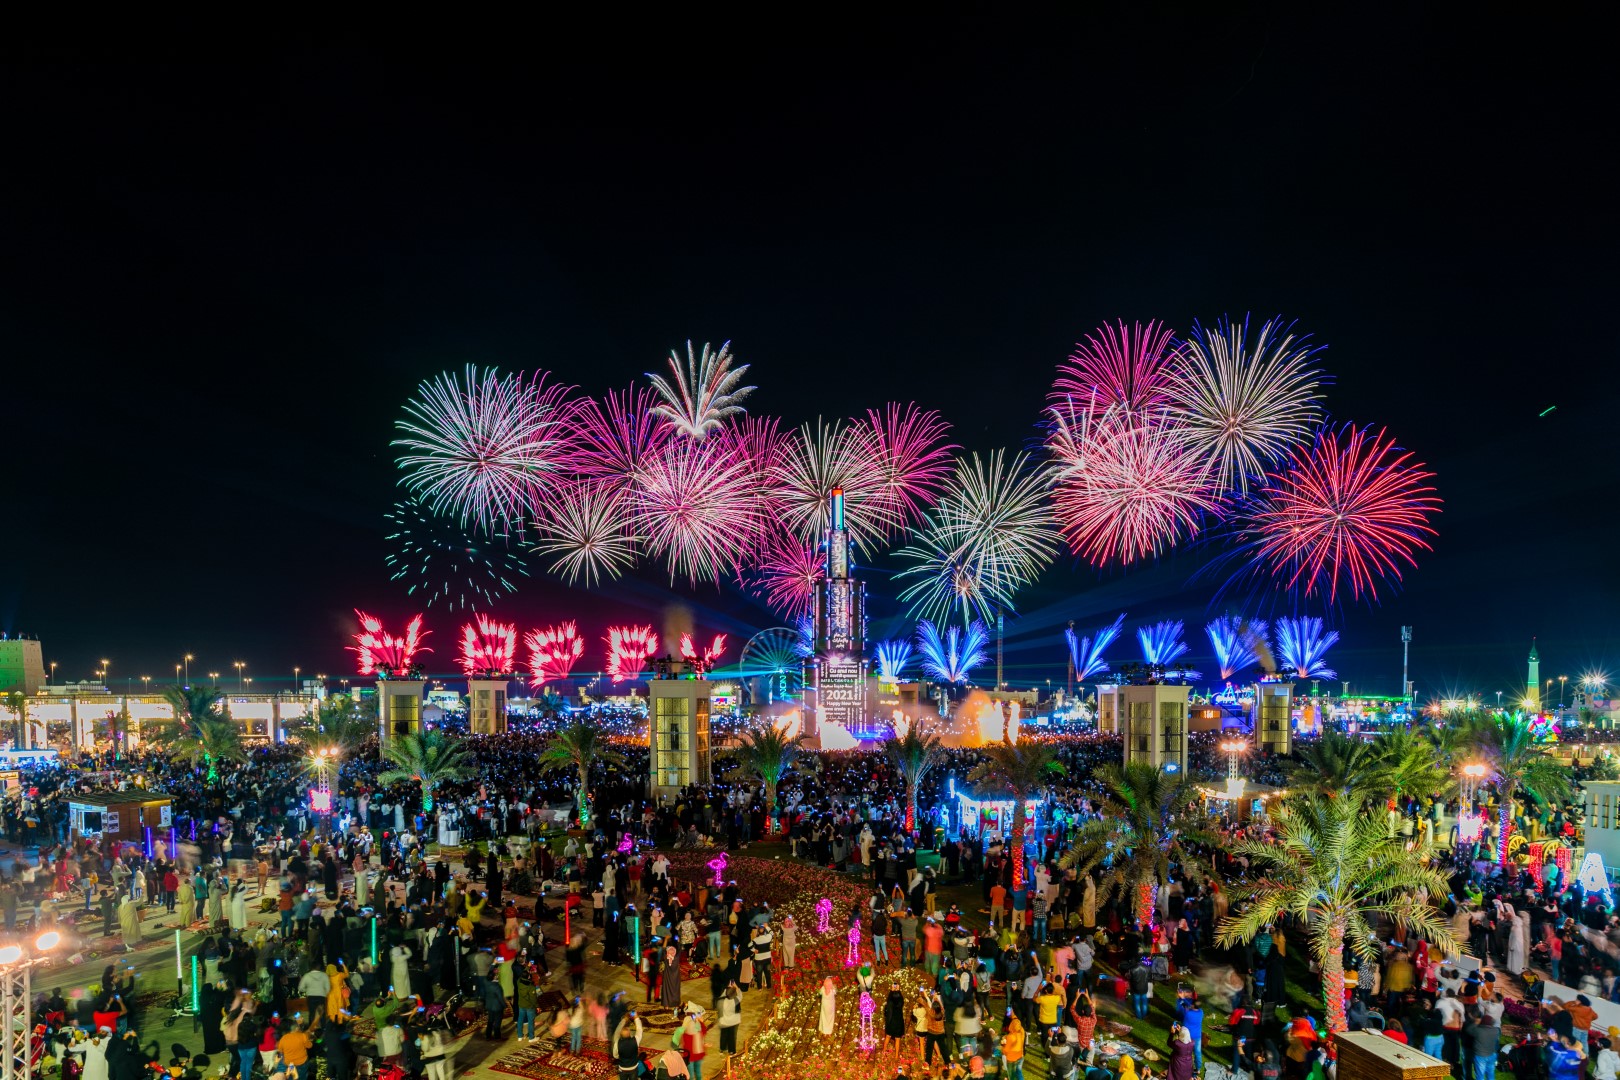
772	665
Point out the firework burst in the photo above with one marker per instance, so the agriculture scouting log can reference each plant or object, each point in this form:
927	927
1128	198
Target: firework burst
1161	643
1127	368
486	450
913	458
443	561
628	650
1086	653
1242	408
384	655
1237	642
951	657
892	657
553	652
698	511
1302	647
488	648
1125	486
708	657
991	534
613	438
1346	512
786	574
587	531
702	392
820	457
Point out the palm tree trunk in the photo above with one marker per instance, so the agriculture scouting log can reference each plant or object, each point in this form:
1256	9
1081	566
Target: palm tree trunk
770	806
1145	907
1333	977
911	806
584	798
427	798
1018	826
1505	825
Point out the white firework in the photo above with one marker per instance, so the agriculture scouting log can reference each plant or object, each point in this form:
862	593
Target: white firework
587	533
702	392
1242	408
821	457
486	452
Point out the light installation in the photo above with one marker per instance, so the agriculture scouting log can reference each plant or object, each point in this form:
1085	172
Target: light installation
1237	642
951	656
488	648
553	652
1301	646
1161	643
384	655
838	664
1086	653
628	650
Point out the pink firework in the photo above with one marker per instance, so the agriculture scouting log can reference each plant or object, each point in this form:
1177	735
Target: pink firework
697	507
786	575
613	438
1124	487
384	655
1346	512
586	529
628	650
705	660
1118	367
488	648
553	652
820	457
914	460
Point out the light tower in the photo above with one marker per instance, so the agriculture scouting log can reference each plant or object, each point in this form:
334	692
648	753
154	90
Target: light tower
838	666
1532	681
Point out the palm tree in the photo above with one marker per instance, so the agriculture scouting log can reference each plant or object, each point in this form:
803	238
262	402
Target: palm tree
1411	764
17	702
580	745
914	754
768	752
1148	819
341	724
1519	763
1340	873
429	758
199	730
1023	768
1336	765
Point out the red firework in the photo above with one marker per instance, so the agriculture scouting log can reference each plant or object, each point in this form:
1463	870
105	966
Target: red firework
706	660
1347	511
1125	487
614	437
787	574
914	460
488	648
381	653
1118	368
628	649
553	652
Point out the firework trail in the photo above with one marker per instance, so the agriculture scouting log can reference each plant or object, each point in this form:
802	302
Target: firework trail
486	452
707	659
914	460
488	648
553	652
697	510
613	438
1127	368
1086	653
786	574
1125	486
1242	408
587	531
702	393
1345	512
892	657
950	658
384	655
991	534
628	649
1302	646
806	627
1161	643
820	457
1237	642
439	558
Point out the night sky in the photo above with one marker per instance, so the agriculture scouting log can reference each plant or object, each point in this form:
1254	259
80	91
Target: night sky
222	279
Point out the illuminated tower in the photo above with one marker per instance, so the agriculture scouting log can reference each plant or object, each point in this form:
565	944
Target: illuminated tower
838	666
1532	681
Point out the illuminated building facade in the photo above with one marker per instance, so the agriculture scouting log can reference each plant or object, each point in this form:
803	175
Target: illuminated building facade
838	666
22	665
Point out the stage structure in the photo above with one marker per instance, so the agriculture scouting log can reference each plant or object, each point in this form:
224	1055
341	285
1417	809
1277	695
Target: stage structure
837	683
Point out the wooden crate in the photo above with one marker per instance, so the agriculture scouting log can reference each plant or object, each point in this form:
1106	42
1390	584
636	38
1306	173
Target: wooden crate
1369	1055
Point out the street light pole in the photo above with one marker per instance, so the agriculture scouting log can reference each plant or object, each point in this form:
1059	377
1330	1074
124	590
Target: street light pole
188	660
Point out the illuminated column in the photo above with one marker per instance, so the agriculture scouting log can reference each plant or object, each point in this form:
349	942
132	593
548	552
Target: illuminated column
399	708
1154	720
1532	684
1273	716
486	706
678	734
